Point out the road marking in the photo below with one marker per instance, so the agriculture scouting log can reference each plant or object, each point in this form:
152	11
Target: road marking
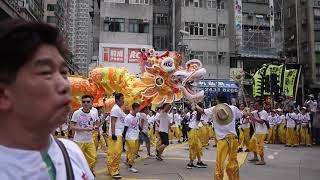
169	148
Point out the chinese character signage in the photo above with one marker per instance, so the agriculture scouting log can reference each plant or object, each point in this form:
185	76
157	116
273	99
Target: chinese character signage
115	55
133	55
238	22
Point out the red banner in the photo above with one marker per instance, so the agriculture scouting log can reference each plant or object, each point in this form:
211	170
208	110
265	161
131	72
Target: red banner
134	55
113	55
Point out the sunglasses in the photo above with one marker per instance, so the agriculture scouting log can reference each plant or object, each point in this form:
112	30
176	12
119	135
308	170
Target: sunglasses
86	102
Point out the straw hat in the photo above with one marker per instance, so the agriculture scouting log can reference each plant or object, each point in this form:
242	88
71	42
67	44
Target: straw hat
223	114
279	110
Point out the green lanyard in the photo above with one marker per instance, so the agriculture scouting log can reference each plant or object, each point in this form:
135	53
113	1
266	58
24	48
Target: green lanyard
46	158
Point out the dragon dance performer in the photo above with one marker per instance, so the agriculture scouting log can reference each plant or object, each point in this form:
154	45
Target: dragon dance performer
204	133
131	135
83	122
305	131
244	129
144	129
176	120
100	141
272	131
259	120
224	120
164	128
282	126
195	145
115	145
151	119
291	135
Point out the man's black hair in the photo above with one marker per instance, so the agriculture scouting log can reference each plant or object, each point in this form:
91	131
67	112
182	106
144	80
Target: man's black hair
135	105
222	97
19	41
117	96
86	96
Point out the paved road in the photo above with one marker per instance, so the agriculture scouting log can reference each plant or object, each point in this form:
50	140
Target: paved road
282	163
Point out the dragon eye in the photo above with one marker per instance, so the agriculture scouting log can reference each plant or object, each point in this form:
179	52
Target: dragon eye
159	81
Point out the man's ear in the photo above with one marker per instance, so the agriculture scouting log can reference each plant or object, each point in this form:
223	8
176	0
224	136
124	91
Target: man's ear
5	102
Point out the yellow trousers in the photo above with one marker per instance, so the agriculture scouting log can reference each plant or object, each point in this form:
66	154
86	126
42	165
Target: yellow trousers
101	142
158	140
282	133
204	137
170	134
305	136
177	132
152	136
90	153
210	132
257	143
132	150
114	155
227	147
292	139
195	145
272	131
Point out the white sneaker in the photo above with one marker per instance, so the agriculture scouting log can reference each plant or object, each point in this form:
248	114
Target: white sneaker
133	170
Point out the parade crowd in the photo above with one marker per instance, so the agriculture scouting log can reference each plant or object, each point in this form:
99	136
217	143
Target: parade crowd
35	100
252	126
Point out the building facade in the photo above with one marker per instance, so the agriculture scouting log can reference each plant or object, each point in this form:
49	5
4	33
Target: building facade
79	33
30	10
302	39
125	28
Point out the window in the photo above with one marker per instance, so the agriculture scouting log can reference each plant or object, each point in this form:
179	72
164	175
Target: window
115	1
51	19
116	25
160	42
212	58
138	26
212	31
220	4
145	2
160	18
50	7
197	55
193	3
211	4
222	30
317	24
194	28
317	46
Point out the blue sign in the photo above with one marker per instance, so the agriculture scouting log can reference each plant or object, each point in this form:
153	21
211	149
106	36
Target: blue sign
214	86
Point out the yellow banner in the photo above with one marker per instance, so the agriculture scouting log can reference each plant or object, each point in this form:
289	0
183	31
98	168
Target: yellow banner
289	82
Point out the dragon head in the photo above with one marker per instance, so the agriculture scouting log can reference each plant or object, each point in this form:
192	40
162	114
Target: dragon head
167	81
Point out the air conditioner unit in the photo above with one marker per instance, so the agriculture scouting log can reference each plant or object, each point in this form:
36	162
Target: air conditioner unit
221	53
191	24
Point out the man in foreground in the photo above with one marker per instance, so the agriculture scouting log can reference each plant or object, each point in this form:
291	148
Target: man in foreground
34	101
224	119
115	145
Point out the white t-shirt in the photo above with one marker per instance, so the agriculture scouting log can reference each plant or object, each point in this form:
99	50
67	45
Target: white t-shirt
64	127
222	130
204	119
291	119
272	120
244	125
164	119
17	164
282	119
117	112
132	122
304	118
83	120
313	105
193	124
176	118
145	127
157	121
260	128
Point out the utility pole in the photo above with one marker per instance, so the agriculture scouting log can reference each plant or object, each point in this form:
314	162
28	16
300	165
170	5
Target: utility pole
173	25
